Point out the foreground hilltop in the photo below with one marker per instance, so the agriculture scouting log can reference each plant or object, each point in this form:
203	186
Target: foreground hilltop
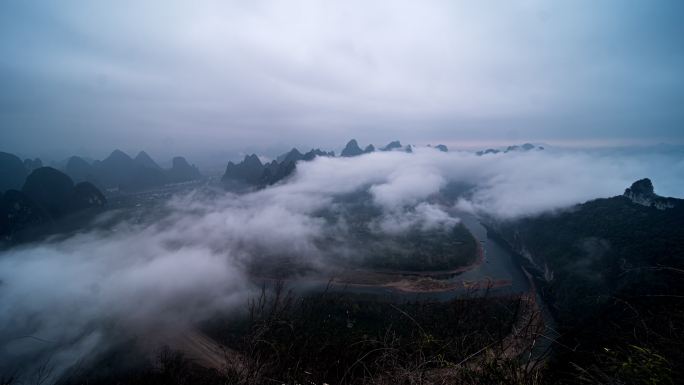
611	271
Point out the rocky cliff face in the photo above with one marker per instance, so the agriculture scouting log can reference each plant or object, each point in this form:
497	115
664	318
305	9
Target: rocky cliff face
642	192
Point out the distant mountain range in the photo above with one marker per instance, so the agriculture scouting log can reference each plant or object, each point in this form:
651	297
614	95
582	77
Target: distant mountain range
32	195
521	148
120	171
251	173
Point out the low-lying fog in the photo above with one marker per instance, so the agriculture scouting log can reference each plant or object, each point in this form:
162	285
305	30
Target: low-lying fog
64	300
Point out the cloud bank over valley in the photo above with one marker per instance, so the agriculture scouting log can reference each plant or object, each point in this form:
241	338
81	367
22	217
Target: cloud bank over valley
67	298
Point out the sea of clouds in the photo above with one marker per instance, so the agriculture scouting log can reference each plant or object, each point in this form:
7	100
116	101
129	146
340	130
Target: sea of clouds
63	301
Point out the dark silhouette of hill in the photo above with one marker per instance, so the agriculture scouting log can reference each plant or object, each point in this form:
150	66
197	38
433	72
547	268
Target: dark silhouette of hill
144	160
12	172
516	148
32	164
85	196
50	189
79	170
393	145
290	156
117	170
317	152
182	171
251	173
396	145
352	149
244	174
47	195
18	212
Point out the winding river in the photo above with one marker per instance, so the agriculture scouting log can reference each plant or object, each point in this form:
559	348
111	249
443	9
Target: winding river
497	267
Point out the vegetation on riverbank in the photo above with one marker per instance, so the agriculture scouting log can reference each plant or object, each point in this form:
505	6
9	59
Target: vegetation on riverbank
343	338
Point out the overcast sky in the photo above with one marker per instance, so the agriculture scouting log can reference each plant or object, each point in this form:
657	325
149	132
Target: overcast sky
193	77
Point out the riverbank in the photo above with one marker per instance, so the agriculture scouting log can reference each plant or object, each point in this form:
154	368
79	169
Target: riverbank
418	281
406	281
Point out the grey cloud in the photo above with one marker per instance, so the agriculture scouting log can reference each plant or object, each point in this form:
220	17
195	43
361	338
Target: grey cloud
63	302
504	185
423	216
232	75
